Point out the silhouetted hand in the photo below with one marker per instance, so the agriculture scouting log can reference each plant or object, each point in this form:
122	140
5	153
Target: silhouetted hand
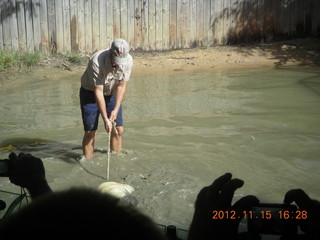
310	222
28	171
214	199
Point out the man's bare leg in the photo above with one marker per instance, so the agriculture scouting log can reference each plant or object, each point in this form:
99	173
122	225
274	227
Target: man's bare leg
88	143
116	140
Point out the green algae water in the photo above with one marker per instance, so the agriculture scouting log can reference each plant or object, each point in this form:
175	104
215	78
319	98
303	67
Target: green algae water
182	130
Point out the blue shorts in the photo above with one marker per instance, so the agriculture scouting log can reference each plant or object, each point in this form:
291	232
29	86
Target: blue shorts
90	110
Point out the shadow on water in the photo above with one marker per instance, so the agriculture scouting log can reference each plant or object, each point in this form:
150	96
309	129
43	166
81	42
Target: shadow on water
313	83
47	148
44	149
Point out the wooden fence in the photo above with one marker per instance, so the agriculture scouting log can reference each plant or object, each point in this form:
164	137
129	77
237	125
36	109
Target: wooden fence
88	25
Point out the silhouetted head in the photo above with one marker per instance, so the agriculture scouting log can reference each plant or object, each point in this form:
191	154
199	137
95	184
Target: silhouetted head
80	211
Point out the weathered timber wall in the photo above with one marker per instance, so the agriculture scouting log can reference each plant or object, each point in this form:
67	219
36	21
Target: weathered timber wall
88	25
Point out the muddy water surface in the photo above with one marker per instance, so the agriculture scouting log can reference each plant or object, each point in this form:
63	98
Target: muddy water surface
182	131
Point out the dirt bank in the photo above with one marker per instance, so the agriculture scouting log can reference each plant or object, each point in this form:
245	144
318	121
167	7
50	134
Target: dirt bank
293	52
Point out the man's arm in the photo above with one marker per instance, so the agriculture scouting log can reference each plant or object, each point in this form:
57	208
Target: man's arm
121	92
98	91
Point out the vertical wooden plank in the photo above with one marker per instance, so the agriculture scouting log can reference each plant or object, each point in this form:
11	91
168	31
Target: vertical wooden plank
158	25
305	17
298	23
221	22
124	19
6	10
165	24
29	26
145	24
102	11
260	15
316	19
214	20
209	22
81	26
193	23
224	15
138	24
183	24
21	25
180	24
206	22
226	21
59	26
218	22
6	38
44	33
246	21
290	11
109	23
35	4
131	19
74	26
302	14
233	28
239	20
14	27
173	25
294	17
269	20
308	17
253	11
187	24
186	16
116	19
52	26
95	25
279	19
152	24
247	17
6	23
286	18
1	32
274	9
200	22
88	25
66	26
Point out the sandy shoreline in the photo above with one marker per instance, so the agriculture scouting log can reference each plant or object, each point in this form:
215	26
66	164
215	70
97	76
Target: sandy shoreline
300	52
294	52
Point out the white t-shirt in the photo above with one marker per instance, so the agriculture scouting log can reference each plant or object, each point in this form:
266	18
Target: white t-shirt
99	72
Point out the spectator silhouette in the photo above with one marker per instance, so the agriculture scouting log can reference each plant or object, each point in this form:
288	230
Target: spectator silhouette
80	212
311	225
218	197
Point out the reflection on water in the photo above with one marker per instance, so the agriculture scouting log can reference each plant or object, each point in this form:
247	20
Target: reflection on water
182	131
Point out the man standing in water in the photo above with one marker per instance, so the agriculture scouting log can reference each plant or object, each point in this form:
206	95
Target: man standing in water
103	87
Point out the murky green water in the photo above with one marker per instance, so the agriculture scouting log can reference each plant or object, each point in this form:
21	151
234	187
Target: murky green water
182	131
